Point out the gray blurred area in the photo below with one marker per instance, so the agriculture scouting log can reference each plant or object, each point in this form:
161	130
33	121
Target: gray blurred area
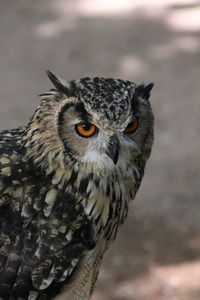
156	255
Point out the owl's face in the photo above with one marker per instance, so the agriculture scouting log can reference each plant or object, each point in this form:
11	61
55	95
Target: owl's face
101	122
106	123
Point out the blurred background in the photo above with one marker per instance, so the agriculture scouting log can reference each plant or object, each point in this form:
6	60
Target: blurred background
157	252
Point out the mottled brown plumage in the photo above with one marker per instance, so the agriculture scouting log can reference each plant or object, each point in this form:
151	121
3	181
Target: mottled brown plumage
63	193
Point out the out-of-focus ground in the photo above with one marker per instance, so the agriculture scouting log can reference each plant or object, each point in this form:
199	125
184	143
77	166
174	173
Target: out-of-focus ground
157	252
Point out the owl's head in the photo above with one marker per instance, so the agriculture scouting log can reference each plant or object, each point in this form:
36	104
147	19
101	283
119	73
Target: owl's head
102	123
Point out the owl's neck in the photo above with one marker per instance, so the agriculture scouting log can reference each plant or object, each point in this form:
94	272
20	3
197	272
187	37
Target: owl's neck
104	195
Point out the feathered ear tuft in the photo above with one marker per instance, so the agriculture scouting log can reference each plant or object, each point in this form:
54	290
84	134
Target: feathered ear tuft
144	91
60	84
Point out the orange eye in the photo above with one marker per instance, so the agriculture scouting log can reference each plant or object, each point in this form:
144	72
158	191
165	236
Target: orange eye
132	126
86	129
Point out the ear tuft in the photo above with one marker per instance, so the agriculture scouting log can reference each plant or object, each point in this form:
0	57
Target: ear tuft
59	84
144	91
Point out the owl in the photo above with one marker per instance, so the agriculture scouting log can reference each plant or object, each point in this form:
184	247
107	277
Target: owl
66	181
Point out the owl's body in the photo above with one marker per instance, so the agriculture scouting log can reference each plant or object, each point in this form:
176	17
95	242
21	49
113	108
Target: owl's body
66	181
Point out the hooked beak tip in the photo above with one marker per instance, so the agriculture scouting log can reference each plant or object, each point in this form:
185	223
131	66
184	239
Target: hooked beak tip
113	149
115	158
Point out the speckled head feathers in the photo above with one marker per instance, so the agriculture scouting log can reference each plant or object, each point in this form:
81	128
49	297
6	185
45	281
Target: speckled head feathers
109	98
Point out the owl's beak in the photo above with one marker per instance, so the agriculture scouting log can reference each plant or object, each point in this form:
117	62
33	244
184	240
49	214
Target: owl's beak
113	148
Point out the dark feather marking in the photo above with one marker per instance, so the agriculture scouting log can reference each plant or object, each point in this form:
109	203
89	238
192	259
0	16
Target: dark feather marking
144	91
97	181
108	189
83	113
73	177
60	121
83	185
58	84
